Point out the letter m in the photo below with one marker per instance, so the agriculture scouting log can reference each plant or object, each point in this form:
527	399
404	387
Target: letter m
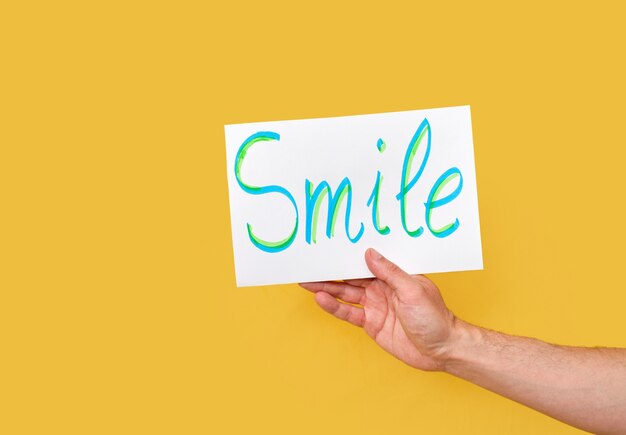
313	200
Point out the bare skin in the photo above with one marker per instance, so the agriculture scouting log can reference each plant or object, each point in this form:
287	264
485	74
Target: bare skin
407	317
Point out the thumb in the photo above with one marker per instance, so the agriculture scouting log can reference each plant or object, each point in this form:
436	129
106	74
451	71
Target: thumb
387	271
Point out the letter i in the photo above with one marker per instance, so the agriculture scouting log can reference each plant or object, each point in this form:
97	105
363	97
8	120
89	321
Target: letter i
373	199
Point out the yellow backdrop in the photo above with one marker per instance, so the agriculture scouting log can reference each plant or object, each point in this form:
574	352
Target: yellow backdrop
119	312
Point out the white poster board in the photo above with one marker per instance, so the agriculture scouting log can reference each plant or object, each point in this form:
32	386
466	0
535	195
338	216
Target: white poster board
308	197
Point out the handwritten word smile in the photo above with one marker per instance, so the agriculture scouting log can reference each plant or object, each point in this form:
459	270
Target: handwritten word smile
315	195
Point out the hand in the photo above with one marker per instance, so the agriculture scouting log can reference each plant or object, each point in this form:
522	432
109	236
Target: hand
404	314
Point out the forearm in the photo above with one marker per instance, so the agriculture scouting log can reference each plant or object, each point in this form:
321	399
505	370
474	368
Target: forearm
584	387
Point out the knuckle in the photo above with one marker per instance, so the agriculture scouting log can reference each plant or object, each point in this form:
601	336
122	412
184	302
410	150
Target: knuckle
392	268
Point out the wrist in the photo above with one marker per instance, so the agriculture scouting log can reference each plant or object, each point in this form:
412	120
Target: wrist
464	339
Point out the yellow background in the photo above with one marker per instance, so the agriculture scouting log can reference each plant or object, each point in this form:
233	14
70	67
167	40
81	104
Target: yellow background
118	310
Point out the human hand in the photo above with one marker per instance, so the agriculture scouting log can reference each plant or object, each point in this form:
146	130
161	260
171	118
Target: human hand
404	314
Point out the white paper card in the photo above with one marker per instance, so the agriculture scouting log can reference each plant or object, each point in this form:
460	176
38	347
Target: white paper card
308	197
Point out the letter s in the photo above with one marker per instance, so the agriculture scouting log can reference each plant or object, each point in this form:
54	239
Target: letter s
264	245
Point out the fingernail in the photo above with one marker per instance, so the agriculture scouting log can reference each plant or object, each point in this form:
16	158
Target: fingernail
375	254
